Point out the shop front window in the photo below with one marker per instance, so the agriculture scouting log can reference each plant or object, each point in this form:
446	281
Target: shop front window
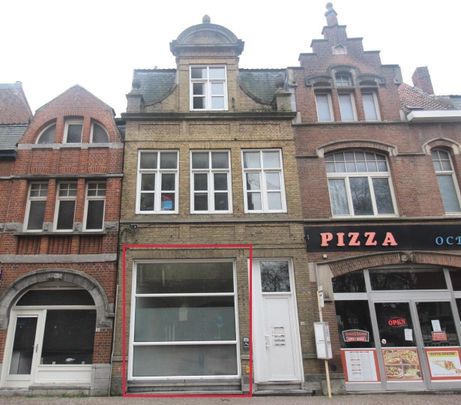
408	279
354	324
437	324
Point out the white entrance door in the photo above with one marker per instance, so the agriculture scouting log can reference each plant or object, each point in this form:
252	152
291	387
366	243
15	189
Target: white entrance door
277	349
23	347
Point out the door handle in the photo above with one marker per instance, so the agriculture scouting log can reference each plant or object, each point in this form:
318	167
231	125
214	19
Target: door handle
267	340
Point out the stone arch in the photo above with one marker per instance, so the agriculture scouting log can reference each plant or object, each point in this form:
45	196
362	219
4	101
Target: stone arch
104	312
337	146
443	143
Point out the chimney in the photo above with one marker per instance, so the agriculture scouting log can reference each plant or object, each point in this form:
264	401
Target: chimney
331	14
422	79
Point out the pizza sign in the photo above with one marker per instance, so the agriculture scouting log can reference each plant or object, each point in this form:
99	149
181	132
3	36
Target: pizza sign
355	335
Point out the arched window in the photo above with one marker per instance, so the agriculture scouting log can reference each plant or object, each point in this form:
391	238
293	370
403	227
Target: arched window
98	134
47	135
448	184
359	184
343	79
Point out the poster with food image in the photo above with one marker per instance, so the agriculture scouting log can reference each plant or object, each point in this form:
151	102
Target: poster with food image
402	364
444	363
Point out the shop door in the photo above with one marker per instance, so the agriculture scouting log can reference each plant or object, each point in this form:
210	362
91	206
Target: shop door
276	334
23	341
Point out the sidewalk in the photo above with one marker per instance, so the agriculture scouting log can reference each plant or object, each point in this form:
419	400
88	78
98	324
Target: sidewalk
378	399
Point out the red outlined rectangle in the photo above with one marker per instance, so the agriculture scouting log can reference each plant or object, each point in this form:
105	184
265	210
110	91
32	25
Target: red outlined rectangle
447	349
126	247
346	370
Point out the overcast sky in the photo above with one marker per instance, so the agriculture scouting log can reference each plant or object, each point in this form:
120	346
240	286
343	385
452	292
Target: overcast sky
50	45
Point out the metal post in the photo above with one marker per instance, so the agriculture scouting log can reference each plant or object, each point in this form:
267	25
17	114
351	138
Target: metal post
327	370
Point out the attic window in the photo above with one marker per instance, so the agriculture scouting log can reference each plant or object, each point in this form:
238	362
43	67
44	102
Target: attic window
73	131
208	88
47	135
98	134
343	79
339	50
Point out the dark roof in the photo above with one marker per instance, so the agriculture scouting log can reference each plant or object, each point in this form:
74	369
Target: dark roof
154	85
261	84
14	108
413	98
10	135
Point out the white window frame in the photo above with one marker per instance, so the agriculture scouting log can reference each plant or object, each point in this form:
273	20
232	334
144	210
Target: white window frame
370	175
65	198
449	173
74	121
209	172
92	132
30	199
43	131
262	179
101	189
235	342
351	96
157	187
374	95
330	106
207	82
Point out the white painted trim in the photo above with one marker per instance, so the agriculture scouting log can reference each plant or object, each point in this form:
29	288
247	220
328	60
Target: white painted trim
434	116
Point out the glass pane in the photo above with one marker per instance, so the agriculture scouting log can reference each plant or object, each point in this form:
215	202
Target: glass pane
221	202
99	134
455	276
271	160
200	181
220	181
148	160
198	89
345	107
74	133
66	215
254	201
383	196
200	202
273	181
184	278
200	160
274	201
217	72
56	297
168	202
393	320
168	181
47	135
38	190
253	181
36	215
408	279
323	108
349	282
199	103
338	197
448	192
217	89
184	361
147	202
95	214
148	182
354	324
361	197
198	72
217	102
251	160
168	160
219	160
437	324
184	319
23	345
369	107
68	337
275	277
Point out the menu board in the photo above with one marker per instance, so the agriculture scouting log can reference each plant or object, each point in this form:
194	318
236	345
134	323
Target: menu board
402	364
444	363
360	365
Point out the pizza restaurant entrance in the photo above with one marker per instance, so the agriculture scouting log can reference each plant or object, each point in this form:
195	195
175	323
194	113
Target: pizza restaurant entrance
400	328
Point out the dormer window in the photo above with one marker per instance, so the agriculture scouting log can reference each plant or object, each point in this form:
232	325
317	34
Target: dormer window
98	134
343	79
208	88
339	50
47	135
73	131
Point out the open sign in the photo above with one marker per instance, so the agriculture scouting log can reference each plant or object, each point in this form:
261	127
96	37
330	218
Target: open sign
397	322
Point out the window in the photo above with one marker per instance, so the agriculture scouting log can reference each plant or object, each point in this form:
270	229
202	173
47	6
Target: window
370	106
94	208
263	181
184	320
65	206
359	184
73	131
210	182
208	88
47	135
157	182
343	79
347	107
324	108
98	134
448	184
38	193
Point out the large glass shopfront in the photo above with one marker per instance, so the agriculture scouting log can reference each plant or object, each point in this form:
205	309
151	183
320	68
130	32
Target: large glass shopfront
400	328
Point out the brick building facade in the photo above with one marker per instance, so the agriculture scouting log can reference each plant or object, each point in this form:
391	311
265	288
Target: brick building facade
60	185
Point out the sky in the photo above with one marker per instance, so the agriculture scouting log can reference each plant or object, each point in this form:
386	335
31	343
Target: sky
51	45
